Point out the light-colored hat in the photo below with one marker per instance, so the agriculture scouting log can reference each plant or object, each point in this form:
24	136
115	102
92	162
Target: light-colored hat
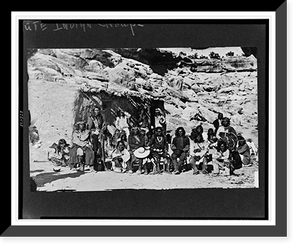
141	152
56	169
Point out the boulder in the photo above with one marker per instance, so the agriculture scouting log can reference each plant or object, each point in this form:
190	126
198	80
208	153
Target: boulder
188	113
210	88
121	74
94	66
249	108
206	114
175	82
188	82
106	57
228	90
196	88
190	95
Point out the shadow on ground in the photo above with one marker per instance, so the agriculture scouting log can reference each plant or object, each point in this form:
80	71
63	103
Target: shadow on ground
42	179
36	171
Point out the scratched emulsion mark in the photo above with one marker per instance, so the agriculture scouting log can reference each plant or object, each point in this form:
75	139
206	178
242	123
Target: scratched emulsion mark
56	27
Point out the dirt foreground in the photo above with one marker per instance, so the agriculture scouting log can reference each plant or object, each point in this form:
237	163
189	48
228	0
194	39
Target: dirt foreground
67	180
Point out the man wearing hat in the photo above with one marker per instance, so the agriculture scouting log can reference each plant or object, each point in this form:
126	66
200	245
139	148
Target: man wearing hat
141	154
135	140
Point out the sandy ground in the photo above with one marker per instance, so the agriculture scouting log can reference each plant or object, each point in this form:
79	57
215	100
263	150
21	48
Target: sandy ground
67	180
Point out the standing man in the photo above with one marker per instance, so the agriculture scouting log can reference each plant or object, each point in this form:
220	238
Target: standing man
122	122
96	125
160	120
217	123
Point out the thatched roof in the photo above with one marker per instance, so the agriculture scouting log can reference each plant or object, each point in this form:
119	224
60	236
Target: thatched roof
159	93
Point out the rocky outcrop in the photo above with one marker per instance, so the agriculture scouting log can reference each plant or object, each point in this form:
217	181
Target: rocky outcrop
188	87
160	62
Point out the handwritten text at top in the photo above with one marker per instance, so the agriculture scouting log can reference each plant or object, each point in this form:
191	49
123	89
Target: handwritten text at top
56	27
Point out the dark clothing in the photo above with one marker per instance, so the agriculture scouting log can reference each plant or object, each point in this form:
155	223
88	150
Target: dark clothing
88	158
217	124
95	122
195	133
181	143
228	135
136	141
159	149
244	150
155	143
182	156
81	151
180	146
236	162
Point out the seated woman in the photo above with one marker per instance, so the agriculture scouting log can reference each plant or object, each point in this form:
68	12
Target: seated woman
159	149
120	158
244	151
220	159
198	150
197	131
59	155
210	134
180	147
228	133
81	153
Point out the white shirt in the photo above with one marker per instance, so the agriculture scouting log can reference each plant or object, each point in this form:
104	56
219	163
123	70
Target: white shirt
125	155
203	146
121	123
221	129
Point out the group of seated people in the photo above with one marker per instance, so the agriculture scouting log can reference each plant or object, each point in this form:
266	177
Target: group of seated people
153	151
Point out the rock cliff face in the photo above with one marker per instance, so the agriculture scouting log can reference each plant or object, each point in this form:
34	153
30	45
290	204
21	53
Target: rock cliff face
188	86
161	61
